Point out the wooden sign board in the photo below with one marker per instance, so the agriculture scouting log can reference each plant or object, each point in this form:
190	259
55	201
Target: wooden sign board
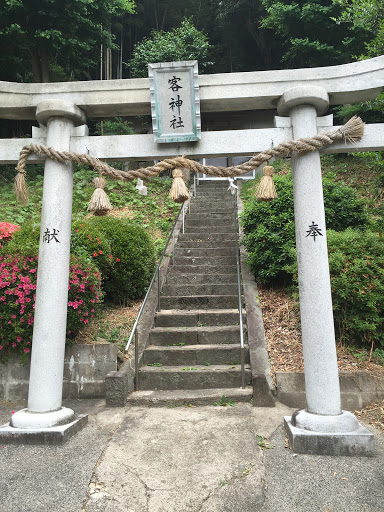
175	101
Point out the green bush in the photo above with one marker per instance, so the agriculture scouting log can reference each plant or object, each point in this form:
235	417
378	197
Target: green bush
133	253
88	241
25	241
269	226
356	263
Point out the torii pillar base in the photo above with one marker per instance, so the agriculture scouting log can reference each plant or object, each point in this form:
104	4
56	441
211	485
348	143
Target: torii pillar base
56	435
345	436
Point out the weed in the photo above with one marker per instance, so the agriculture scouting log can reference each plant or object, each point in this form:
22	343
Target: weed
178	344
207	364
154	364
188	368
262	442
225	402
378	355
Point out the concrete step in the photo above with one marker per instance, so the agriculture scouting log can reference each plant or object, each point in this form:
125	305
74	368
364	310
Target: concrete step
192	377
209	215
199	302
197	318
211	209
200	289
208	244
207	237
210	230
217	195
200	279
207	261
196	335
206	355
186	268
212	203
177	398
206	252
208	222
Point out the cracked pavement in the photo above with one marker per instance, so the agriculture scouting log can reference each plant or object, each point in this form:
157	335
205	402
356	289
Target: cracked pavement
184	459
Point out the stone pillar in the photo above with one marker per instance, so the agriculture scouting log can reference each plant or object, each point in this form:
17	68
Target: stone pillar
323	427
49	333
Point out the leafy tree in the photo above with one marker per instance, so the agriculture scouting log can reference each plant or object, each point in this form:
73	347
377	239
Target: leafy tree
365	13
182	43
357	14
308	32
41	38
245	45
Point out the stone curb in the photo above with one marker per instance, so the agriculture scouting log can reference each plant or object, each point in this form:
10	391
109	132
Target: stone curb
263	391
358	389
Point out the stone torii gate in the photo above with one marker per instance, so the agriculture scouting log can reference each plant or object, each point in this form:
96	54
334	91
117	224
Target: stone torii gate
300	97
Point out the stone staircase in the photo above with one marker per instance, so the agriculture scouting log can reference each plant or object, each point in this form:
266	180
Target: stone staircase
193	355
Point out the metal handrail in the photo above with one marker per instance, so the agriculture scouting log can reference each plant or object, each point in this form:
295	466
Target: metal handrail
158	308
242	357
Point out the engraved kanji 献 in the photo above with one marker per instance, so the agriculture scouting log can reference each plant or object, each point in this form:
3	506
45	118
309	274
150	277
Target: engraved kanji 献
48	236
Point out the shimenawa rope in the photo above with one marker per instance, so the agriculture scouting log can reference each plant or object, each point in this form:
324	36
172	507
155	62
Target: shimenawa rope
352	131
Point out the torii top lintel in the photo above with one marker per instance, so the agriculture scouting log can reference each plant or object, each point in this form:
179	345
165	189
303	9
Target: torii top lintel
257	90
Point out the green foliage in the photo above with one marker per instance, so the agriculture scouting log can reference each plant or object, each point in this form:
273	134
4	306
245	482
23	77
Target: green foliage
365	13
25	241
115	126
182	43
133	251
90	242
371	111
269	226
356	264
270	232
309	35
45	36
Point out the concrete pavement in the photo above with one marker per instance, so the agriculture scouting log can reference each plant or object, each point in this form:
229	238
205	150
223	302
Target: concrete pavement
183	459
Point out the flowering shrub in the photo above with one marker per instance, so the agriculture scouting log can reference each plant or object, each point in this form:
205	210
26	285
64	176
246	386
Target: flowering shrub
84	294
17	300
88	241
6	232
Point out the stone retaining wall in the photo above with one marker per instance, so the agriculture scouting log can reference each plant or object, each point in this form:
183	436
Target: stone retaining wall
358	389
85	369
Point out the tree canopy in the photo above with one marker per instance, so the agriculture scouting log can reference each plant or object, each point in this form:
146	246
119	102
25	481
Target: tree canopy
309	34
182	43
56	40
41	38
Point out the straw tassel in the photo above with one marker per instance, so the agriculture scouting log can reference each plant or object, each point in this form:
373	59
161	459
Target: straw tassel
20	185
99	203
21	188
353	130
179	192
266	190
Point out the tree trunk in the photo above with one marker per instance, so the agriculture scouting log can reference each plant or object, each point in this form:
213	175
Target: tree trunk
40	66
35	61
44	65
